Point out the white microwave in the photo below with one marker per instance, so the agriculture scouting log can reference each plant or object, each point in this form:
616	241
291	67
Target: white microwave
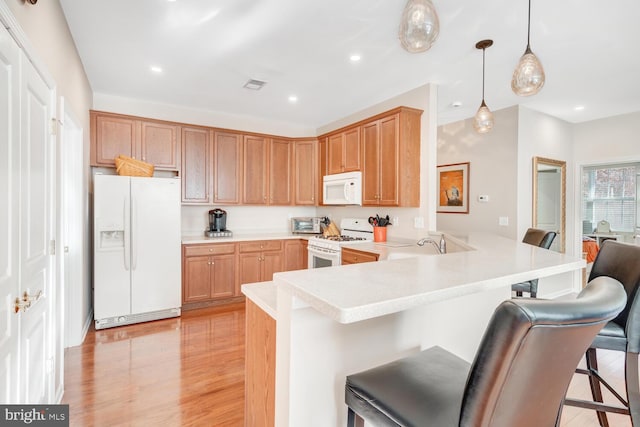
342	189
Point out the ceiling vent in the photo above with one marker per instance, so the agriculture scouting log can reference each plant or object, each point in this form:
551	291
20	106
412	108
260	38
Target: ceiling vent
254	84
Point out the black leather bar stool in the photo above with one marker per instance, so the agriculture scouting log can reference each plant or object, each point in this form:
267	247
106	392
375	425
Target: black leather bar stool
519	377
620	261
535	237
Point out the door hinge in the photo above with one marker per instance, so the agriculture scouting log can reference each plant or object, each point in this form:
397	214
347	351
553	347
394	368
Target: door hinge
52	247
54	126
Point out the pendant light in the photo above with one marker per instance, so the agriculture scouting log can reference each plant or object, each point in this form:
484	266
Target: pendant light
419	26
528	77
483	120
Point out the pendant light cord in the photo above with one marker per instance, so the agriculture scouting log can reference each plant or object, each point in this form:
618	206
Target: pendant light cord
483	49
529	26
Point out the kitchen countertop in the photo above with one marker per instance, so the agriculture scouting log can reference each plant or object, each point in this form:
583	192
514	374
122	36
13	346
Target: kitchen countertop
242	237
357	292
263	294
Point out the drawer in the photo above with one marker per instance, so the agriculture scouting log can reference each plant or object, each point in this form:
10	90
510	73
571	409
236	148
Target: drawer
261	245
217	249
352	256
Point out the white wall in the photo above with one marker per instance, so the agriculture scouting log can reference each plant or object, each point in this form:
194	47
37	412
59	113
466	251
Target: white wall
492	172
46	28
546	136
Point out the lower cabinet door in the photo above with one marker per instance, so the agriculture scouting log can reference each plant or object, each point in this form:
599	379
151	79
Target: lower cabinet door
249	267
196	279
223	283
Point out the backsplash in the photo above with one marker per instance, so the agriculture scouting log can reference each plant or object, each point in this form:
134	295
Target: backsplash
244	219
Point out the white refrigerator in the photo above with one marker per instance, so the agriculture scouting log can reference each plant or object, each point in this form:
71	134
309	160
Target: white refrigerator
137	267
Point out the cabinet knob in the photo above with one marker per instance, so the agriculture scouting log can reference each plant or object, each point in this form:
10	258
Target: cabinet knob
210	249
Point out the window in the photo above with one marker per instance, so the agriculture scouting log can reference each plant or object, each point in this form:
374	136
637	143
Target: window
610	193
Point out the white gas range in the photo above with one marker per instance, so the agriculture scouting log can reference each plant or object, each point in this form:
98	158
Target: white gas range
326	251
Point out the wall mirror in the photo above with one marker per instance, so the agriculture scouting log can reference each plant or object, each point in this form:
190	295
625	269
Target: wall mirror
549	198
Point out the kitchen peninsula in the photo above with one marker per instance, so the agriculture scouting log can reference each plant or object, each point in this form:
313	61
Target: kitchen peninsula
331	322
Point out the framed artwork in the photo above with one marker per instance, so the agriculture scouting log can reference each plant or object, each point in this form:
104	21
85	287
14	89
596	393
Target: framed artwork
453	188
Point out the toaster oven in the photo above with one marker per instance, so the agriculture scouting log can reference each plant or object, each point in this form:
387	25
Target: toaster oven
306	225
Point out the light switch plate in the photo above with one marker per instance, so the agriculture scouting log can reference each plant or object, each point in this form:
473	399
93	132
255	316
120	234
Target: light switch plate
503	220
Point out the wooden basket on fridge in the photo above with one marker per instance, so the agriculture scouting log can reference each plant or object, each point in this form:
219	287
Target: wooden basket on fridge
131	167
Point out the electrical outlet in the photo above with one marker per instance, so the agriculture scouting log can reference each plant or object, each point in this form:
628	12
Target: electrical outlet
483	198
503	220
418	222
395	221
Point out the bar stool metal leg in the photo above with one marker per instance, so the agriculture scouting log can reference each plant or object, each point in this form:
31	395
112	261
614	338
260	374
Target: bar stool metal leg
354	420
633	387
594	382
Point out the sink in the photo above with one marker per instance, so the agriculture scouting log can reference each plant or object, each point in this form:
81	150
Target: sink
401	255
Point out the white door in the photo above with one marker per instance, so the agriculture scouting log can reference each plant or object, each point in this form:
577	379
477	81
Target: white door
9	215
37	222
76	296
155	244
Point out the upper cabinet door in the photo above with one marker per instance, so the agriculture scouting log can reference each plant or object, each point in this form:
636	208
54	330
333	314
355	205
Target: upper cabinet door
352	150
112	136
335	150
389	171
160	145
196	176
371	163
305	173
343	151
280	172
227	167
255	152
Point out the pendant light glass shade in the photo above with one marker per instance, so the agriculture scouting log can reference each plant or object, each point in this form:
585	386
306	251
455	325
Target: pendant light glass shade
528	77
483	120
419	26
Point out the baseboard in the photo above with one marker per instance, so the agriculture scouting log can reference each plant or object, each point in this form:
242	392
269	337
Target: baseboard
87	324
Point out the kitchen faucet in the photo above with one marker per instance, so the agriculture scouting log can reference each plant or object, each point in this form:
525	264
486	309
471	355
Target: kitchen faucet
441	247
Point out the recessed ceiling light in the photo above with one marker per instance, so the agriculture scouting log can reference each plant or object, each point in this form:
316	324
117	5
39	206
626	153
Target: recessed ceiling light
355	58
579	107
156	69
456	104
293	99
254	84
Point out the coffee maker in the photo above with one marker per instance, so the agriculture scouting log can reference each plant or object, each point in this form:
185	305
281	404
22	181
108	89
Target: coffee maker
217	224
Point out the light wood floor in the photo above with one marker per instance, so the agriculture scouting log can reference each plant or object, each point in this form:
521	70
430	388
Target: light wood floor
189	371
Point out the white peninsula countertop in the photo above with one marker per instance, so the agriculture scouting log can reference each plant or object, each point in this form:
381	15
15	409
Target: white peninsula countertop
362	291
332	322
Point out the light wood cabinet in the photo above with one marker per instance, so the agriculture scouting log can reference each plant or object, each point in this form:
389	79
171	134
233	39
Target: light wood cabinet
391	159
343	151
354	256
154	142
227	167
209	272
305	173
380	162
280	172
255	155
295	255
196	164
258	260
160	145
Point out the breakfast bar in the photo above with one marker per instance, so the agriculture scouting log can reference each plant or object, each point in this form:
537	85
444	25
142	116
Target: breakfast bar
331	322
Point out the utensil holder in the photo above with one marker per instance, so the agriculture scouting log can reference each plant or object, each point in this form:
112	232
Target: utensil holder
379	234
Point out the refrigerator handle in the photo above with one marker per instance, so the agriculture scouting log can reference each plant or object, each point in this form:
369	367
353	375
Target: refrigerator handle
127	230
134	240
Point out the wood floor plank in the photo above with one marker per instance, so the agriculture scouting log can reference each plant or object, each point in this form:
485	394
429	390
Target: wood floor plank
189	371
